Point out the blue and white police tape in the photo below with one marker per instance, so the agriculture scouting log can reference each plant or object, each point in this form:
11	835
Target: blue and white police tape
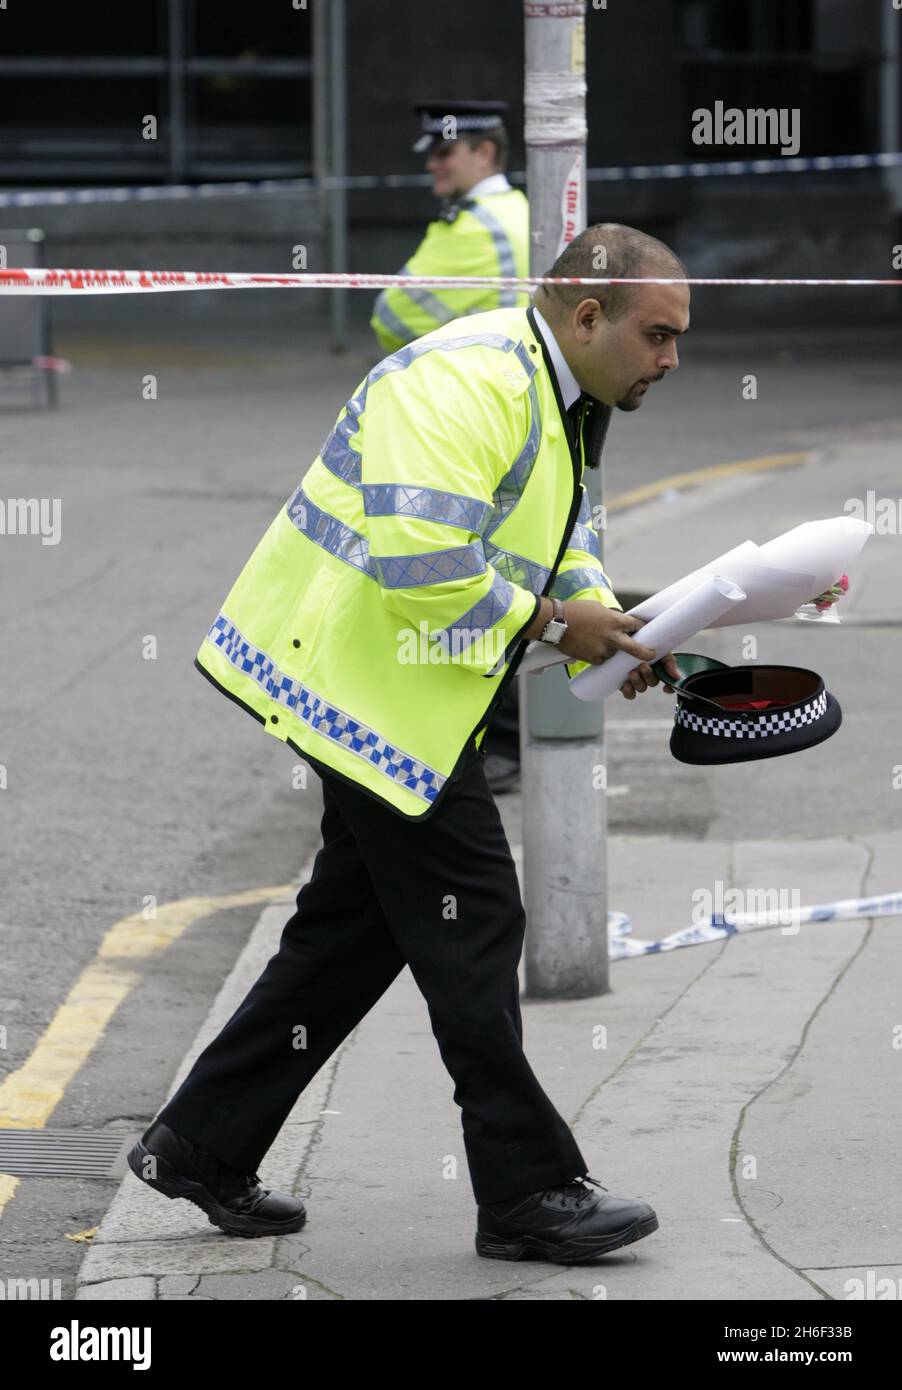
621	945
613	173
151	193
730	168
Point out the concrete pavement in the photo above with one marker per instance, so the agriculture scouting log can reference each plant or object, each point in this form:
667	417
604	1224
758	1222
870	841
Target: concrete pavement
748	1088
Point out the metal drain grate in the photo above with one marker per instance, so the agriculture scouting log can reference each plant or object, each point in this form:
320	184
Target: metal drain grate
65	1153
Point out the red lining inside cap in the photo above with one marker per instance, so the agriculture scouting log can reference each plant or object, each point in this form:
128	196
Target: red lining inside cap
750	704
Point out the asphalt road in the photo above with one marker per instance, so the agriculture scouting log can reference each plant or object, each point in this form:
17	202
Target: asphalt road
130	777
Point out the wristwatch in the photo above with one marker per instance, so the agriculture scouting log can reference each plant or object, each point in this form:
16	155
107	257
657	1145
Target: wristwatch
556	626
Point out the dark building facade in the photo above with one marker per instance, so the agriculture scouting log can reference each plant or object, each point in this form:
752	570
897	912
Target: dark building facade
237	91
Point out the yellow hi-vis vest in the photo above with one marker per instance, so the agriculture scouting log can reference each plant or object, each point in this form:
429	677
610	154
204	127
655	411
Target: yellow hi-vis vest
378	621
489	236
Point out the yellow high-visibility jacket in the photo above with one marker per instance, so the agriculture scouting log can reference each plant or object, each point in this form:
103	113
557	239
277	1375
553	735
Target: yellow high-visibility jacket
380	617
488	236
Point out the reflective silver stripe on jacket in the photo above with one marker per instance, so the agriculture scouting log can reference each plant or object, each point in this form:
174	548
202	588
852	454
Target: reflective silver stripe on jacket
337	454
519	570
507	298
428	302
405	571
583	536
389	319
573	580
484	614
430	567
428	503
326	530
527	573
391	571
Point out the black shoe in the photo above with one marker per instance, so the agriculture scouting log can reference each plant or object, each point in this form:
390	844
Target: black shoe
568	1224
502	774
234	1201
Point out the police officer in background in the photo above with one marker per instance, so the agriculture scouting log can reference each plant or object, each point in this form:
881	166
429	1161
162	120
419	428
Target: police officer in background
481	229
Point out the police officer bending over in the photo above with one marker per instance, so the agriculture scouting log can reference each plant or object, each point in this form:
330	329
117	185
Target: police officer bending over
373	630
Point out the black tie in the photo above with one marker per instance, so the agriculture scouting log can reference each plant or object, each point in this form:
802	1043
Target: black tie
574	412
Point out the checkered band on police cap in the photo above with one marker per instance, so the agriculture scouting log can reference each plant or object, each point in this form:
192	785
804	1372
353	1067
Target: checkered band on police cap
762	726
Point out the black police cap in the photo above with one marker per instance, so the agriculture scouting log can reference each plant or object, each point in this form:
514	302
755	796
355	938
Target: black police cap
468	116
732	714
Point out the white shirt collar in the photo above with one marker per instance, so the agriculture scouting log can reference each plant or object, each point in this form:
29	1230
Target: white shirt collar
494	183
570	387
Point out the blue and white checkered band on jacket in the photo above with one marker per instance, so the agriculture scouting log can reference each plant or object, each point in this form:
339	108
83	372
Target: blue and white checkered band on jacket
323	716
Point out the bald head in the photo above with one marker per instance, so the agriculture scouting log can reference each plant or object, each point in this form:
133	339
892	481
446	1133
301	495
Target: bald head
607	249
617	339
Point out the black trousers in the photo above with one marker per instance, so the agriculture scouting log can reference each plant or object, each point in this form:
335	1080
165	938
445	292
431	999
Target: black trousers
441	895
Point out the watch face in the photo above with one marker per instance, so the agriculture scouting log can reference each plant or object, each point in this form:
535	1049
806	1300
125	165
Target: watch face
554	631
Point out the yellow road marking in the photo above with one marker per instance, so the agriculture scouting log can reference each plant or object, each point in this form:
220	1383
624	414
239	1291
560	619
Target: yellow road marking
703	475
84	1236
29	1095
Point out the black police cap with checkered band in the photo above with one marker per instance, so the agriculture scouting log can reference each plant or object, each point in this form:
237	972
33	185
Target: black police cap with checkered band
732	714
467	116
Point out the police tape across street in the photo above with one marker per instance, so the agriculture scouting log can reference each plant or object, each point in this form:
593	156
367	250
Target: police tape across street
611	173
721	925
83	281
